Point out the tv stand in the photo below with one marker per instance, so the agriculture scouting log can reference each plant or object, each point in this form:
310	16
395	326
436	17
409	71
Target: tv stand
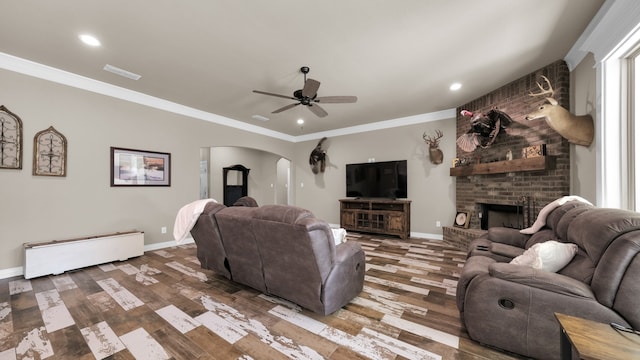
382	216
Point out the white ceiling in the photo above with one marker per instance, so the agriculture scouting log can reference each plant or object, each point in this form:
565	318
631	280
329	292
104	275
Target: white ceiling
397	57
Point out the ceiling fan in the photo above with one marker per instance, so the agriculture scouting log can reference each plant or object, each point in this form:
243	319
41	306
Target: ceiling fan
308	96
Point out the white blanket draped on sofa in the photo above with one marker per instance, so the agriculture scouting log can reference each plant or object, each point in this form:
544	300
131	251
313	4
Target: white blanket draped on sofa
541	220
187	217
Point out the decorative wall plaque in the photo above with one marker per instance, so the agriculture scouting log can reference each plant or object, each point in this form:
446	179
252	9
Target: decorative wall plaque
534	151
49	153
10	140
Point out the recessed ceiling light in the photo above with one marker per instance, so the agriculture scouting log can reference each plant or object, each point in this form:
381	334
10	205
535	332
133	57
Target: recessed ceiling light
455	86
89	40
300	121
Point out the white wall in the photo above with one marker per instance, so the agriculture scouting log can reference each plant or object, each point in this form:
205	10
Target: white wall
583	158
37	208
262	173
430	188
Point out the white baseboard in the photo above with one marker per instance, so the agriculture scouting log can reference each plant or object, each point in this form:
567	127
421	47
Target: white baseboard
166	244
427	236
19	271
8	273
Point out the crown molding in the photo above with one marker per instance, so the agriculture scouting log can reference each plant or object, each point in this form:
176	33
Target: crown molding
611	26
27	67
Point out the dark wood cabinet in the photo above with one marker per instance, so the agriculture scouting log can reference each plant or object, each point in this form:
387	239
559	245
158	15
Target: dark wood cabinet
382	216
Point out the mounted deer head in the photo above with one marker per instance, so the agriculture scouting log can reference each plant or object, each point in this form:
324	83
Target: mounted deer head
435	154
577	129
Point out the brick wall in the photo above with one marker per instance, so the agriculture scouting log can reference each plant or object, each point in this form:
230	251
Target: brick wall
541	187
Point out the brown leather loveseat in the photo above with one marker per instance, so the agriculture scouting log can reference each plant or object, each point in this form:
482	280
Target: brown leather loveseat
280	250
512	306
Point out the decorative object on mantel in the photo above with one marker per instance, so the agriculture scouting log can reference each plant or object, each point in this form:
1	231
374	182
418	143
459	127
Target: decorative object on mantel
10	140
435	154
49	153
318	158
577	129
484	130
534	151
462	219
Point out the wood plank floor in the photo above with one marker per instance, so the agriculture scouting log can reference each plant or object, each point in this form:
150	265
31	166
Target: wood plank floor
163	306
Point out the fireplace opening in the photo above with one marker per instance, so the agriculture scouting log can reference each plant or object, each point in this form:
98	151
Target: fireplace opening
493	215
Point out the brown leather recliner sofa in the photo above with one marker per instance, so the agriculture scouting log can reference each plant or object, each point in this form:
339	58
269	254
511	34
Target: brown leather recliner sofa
512	306
280	250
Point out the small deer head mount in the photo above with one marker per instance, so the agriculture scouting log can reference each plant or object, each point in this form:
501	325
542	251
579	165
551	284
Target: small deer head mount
577	129
435	154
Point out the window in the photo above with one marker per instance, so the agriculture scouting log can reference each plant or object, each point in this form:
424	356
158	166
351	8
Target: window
613	38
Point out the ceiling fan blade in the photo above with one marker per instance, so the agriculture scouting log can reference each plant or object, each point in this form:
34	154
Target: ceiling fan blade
272	94
336	99
316	109
285	108
310	88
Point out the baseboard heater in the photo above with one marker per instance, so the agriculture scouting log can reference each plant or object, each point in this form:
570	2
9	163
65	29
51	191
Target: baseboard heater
57	256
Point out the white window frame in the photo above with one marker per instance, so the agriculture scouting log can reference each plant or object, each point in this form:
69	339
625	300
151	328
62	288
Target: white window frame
611	37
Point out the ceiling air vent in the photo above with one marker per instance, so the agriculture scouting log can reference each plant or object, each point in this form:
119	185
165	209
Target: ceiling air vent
260	117
121	72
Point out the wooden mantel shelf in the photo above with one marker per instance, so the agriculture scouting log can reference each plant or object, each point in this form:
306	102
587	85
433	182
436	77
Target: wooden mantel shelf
500	167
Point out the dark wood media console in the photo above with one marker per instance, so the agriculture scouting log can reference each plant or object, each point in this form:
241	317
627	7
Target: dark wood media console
383	216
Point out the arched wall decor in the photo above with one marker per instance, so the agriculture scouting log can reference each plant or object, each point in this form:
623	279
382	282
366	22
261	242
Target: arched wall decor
49	153
10	140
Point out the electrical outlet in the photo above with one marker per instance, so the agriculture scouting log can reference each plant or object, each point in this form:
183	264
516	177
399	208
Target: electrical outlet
438	223
163	229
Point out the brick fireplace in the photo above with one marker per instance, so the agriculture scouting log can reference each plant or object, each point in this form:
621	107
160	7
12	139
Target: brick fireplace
525	191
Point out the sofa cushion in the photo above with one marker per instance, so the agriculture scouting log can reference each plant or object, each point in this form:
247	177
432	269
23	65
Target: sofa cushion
282	213
549	256
570	213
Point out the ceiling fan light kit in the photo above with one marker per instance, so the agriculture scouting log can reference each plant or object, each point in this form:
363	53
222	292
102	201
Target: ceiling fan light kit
308	96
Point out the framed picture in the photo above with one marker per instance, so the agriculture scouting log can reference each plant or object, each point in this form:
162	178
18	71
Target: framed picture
462	219
140	168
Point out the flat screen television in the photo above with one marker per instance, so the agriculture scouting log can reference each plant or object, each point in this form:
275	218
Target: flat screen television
384	179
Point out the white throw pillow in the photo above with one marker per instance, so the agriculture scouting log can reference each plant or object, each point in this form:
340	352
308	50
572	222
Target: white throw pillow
549	256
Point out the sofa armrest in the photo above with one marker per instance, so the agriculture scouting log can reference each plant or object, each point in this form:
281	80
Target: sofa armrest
507	236
540	279
346	251
509	251
346	279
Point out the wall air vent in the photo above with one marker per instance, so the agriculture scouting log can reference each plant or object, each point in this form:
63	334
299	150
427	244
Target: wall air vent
121	72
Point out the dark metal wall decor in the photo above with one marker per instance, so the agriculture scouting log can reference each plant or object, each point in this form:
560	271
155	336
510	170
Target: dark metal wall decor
49	153
10	140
